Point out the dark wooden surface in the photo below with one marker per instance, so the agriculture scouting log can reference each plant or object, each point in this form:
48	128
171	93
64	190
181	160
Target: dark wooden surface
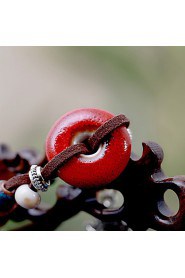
142	184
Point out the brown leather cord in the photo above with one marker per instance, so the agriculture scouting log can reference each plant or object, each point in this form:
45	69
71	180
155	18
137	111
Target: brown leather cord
50	169
106	129
16	181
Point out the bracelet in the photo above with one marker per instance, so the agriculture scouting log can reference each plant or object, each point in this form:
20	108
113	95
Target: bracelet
90	149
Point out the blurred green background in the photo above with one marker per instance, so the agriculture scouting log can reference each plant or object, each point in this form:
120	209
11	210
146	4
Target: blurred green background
39	84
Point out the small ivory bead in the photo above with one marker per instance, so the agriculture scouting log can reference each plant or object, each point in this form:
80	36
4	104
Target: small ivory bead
27	198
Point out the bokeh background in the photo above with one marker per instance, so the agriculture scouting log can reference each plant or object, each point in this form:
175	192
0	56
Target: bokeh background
39	84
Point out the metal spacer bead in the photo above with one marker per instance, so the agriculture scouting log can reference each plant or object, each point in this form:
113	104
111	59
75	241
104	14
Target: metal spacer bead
37	179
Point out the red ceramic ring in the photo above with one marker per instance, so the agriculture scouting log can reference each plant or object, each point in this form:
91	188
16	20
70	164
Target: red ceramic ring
99	168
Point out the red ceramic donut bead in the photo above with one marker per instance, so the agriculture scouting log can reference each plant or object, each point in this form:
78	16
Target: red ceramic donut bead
97	169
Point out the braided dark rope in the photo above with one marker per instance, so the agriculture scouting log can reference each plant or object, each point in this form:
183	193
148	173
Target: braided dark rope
50	169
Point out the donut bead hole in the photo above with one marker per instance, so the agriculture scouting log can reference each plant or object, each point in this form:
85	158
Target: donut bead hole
82	137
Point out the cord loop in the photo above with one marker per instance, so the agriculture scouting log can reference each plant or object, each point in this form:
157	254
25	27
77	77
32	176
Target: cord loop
50	170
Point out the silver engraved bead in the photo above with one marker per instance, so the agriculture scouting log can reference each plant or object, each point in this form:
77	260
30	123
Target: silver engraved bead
37	179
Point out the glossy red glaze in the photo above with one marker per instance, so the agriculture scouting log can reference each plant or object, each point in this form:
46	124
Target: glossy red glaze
95	170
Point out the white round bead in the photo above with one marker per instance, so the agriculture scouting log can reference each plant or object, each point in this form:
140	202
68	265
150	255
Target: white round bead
27	198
